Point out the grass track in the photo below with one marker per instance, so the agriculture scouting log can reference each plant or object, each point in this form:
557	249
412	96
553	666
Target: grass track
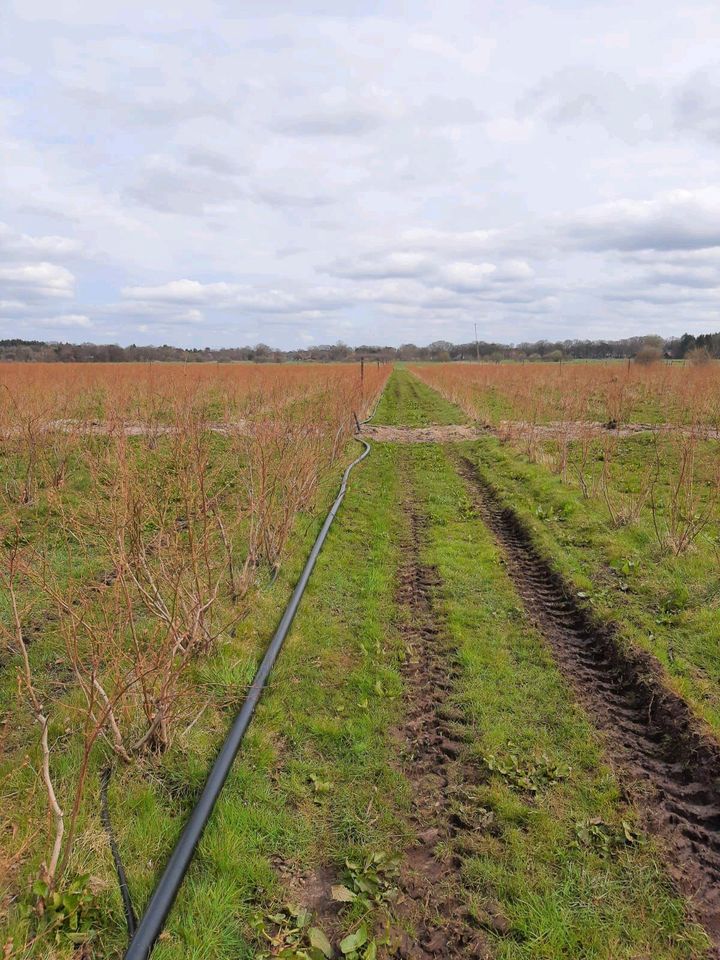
407	402
562	898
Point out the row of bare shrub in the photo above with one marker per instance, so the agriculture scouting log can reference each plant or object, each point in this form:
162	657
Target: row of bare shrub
552	413
603	392
176	521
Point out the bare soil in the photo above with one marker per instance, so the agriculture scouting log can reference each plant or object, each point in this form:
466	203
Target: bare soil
433	434
524	429
430	918
578	429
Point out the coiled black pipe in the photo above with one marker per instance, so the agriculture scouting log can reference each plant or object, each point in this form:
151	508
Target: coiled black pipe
163	897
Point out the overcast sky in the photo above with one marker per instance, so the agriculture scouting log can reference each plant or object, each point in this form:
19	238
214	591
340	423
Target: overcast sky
223	172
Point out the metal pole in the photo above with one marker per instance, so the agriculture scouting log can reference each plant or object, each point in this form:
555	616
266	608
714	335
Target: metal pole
477	346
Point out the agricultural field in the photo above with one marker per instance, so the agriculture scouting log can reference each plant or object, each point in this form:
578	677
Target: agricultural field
493	729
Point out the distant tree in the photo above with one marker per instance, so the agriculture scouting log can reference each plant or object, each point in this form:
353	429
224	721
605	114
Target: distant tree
687	343
642	347
407	351
440	349
648	355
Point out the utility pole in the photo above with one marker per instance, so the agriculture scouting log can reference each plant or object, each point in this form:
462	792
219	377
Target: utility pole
477	346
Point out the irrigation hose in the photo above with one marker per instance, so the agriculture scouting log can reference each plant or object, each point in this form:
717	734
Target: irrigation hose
153	920
130	918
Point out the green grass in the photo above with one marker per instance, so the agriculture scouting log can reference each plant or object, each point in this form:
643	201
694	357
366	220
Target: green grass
563	898
332	696
408	402
663	603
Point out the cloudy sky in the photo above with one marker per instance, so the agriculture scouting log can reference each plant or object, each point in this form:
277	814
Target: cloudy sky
222	172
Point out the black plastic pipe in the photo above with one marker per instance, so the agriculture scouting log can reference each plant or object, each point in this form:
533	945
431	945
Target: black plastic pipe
130	918
167	888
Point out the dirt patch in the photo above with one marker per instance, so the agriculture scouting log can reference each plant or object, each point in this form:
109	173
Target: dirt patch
432	434
579	429
432	743
524	429
312	890
666	762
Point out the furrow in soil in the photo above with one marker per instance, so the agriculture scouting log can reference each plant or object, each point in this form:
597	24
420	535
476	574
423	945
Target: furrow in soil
671	768
432	744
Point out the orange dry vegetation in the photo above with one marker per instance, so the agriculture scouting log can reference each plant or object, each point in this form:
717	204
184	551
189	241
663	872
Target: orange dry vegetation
146	391
555	413
140	506
615	391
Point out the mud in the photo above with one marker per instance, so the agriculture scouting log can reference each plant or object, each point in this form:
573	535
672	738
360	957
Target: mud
432	743
579	429
666	762
433	434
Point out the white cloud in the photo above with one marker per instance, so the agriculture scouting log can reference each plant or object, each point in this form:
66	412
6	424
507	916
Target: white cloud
66	320
678	220
391	172
15	245
38	280
232	295
379	265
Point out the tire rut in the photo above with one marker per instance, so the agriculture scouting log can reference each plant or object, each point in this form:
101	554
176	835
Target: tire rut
432	742
654	738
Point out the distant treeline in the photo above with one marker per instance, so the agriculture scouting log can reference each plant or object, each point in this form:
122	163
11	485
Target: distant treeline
676	348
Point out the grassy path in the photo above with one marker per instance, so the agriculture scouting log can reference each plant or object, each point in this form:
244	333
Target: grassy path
560	854
408	402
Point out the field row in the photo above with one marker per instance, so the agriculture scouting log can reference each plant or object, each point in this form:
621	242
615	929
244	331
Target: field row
427	774
607	393
129	564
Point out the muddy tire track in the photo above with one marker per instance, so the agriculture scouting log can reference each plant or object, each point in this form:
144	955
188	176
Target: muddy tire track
671	768
430	918
432	740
